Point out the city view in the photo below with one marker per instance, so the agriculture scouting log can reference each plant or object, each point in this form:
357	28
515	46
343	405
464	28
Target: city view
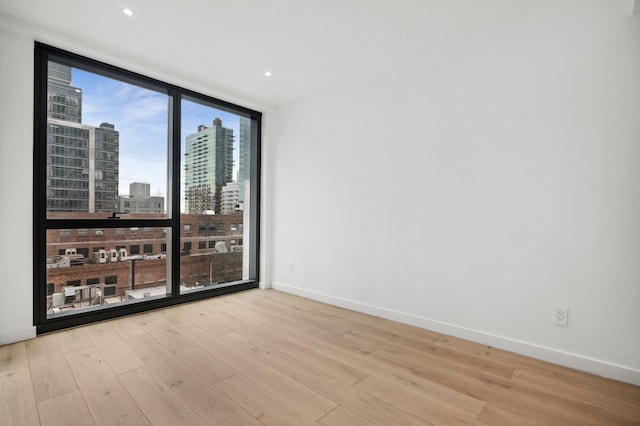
107	157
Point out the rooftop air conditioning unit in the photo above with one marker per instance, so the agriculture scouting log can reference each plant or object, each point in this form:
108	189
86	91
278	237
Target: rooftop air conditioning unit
58	299
110	290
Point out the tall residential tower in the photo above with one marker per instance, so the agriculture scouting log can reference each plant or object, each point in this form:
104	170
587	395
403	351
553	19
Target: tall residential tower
208	166
82	160
244	167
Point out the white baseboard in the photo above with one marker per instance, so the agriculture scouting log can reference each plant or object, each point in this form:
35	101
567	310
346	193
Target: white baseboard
578	362
12	336
263	285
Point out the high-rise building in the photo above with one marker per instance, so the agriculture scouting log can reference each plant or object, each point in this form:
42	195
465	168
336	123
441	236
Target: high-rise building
208	166
244	165
229	198
64	100
82	160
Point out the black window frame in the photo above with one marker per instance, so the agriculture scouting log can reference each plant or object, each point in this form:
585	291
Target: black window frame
41	223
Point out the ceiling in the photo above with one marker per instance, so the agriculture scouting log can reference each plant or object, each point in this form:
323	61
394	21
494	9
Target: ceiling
308	45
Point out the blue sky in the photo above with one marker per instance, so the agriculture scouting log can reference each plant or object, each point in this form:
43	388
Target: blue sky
141	117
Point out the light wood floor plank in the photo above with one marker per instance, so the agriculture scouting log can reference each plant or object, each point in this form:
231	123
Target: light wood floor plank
13	356
342	393
274	337
455	359
383	329
73	339
496	416
205	400
239	312
335	347
555	372
206	365
126	327
159	326
113	349
17	399
194	332
314	319
263	406
312	404
68	409
106	398
156	399
50	372
340	416
492	389
278	314
198	315
595	405
431	410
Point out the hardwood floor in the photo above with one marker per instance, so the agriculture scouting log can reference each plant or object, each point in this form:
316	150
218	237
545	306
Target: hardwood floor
270	358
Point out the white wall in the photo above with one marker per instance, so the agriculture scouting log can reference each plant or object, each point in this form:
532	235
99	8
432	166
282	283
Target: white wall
16	188
472	189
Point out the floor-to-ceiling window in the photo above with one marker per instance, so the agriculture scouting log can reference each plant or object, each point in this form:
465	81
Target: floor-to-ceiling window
145	193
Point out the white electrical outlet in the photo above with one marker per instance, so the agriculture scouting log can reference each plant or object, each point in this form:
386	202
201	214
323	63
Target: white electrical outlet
560	315
291	268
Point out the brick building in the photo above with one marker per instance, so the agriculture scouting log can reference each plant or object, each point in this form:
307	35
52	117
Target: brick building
126	259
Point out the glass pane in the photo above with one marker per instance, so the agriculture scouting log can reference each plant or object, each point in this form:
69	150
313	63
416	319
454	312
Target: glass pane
104	268
106	145
215	172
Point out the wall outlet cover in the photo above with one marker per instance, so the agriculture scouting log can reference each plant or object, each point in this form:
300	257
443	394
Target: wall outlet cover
561	315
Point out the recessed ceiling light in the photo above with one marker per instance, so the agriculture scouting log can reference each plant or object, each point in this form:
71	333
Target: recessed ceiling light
267	73
127	12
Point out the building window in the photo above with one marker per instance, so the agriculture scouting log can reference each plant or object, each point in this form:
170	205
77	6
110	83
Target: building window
111	279
50	288
88	152
212	244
